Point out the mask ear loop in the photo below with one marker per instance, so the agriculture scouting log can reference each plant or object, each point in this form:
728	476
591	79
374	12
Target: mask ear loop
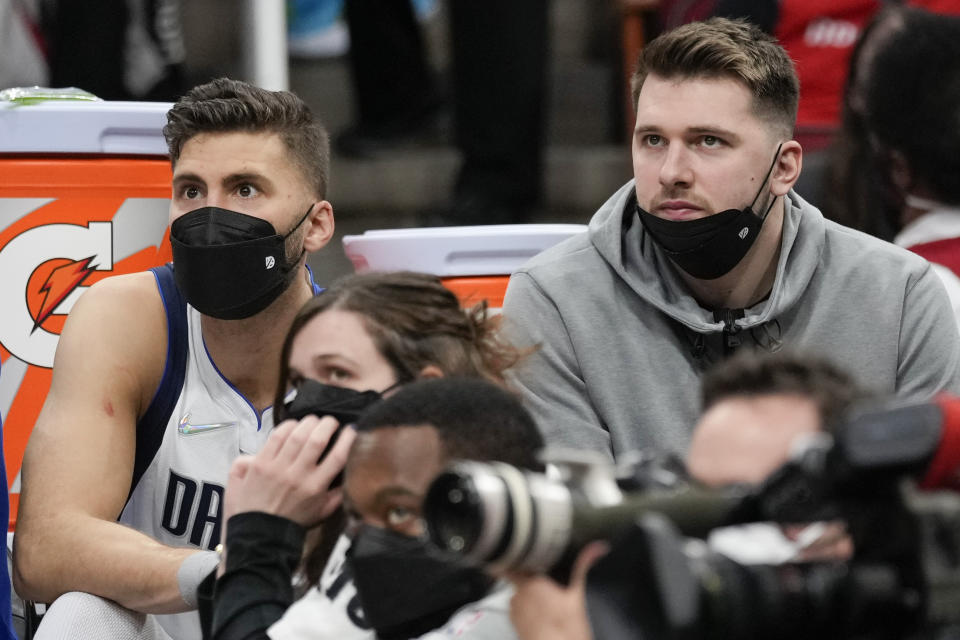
300	222
776	156
303	251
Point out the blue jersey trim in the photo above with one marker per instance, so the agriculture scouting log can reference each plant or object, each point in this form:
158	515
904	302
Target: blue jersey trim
231	385
153	423
317	289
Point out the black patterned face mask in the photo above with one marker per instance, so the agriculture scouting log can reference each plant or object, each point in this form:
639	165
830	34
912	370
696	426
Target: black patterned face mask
319	399
315	398
709	247
230	265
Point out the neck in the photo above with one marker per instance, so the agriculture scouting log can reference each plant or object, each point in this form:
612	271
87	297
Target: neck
247	352
752	279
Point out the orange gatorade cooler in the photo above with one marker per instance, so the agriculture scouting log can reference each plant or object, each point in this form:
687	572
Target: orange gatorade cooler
473	262
84	195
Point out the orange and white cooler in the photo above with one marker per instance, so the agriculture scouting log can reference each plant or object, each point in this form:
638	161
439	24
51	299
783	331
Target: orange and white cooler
84	195
473	262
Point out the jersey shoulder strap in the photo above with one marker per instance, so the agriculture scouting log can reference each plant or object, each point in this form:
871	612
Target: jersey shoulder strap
153	423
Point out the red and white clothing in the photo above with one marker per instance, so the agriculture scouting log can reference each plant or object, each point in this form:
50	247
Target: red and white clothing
819	36
936	236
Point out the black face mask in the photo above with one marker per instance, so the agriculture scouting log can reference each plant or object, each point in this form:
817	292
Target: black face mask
230	265
406	587
315	398
709	247
319	399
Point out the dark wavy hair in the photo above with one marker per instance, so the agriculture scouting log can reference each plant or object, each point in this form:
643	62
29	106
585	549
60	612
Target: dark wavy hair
913	99
414	322
902	95
225	105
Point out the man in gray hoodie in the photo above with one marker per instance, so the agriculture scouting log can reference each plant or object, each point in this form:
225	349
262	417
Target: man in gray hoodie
708	250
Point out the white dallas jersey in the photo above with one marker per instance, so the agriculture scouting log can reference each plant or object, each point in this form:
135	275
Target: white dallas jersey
196	425
331	611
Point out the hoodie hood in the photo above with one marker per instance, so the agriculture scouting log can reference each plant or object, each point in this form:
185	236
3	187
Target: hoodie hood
623	242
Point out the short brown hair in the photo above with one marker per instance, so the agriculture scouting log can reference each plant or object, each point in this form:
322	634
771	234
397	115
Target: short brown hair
755	373
226	105
414	322
732	48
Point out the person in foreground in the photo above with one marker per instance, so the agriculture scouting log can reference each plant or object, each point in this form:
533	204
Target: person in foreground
755	407
162	378
397	584
708	251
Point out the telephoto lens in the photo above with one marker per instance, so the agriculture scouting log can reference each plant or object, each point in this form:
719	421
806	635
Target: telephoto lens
504	518
499	516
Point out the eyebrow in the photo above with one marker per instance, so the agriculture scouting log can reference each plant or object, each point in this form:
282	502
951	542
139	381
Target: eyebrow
395	490
717	131
187	177
700	130
323	358
233	178
379	498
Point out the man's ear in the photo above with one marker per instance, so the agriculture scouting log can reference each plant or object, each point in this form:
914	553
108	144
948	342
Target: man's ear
319	227
430	371
787	169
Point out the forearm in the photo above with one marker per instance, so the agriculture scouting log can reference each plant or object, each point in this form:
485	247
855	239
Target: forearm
65	552
256	588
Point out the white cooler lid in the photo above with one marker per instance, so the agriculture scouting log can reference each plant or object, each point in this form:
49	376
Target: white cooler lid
70	126
455	251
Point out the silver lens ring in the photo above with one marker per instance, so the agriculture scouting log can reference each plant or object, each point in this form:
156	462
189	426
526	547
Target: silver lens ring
494	503
551	524
516	484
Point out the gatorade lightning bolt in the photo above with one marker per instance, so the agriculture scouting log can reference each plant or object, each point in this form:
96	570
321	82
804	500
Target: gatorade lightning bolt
65	224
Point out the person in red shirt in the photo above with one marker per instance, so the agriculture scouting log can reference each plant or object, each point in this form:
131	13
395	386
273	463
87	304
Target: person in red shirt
906	93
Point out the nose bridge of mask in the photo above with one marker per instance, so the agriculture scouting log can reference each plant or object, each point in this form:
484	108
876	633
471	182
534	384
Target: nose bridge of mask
316	398
213	226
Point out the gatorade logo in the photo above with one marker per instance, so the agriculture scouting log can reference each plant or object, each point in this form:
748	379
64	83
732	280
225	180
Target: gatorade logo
44	269
55	243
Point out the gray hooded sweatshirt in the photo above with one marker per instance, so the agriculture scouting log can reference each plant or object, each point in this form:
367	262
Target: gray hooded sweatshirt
623	344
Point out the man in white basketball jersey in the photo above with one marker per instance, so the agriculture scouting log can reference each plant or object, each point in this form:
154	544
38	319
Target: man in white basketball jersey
162	378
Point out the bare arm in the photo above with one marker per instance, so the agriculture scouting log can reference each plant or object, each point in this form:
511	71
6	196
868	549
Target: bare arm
79	462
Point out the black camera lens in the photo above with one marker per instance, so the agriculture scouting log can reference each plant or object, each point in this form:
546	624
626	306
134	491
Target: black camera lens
454	513
499	516
469	511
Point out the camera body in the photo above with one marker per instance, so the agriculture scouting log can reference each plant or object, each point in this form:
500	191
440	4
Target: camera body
660	581
903	581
